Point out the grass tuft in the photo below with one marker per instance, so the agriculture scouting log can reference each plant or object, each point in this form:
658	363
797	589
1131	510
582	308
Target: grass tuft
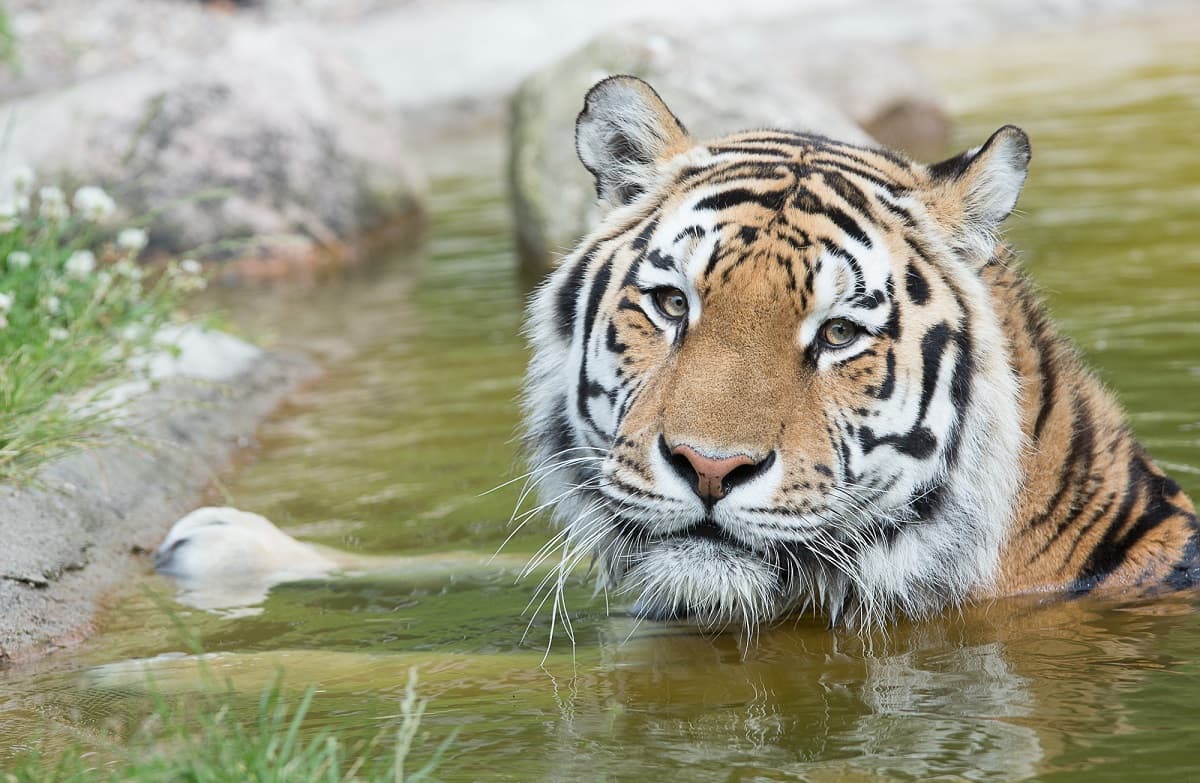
201	741
76	308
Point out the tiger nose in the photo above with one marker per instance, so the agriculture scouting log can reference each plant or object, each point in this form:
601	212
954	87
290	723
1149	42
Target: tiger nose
711	478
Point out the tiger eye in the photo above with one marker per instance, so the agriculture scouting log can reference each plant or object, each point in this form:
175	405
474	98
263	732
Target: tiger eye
839	332
671	302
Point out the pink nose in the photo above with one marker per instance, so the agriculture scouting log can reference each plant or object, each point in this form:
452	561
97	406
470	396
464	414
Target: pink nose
711	475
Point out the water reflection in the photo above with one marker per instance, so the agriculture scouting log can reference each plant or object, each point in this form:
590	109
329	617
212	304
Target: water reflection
1005	692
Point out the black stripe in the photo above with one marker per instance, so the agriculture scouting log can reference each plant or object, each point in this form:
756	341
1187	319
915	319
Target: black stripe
961	384
799	243
892	327
1044	345
643	238
726	173
714	258
919	442
852	151
806	201
1114	547
566	298
916	285
791	139
786	263
691	231
1078	462
659	260
848	192
871	301
1086	528
837	150
844	455
888	387
900	212
1185	573
558	430
875	179
933	349
927	501
762	152
860	282
612	342
1080	502
964	371
584	388
728	199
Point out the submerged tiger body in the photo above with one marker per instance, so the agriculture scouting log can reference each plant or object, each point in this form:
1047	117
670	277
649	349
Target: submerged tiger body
787	373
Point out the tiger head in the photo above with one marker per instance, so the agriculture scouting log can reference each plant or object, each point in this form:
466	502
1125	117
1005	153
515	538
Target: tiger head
773	377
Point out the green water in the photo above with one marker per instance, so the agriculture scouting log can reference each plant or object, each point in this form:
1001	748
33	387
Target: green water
415	418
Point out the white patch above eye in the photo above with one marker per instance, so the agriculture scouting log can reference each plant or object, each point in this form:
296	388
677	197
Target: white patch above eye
827	291
835	296
686	239
701	254
650	276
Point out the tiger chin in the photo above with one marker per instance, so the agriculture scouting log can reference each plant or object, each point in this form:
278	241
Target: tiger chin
788	373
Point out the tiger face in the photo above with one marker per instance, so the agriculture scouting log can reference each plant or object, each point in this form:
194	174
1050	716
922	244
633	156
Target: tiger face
773	377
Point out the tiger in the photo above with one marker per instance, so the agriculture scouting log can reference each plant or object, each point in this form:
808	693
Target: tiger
787	374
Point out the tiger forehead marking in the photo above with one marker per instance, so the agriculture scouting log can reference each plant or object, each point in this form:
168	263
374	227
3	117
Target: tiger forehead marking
788	372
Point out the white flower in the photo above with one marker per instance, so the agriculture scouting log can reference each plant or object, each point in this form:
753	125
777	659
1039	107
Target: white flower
80	264
19	259
53	305
58	333
127	268
132	333
6	302
21	178
8	216
3	321
93	203
132	240
187	275
53	203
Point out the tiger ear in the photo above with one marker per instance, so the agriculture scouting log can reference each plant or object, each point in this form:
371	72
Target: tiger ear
623	135
977	190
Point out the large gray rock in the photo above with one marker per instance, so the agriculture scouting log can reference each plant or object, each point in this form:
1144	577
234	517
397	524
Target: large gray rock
272	144
731	78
